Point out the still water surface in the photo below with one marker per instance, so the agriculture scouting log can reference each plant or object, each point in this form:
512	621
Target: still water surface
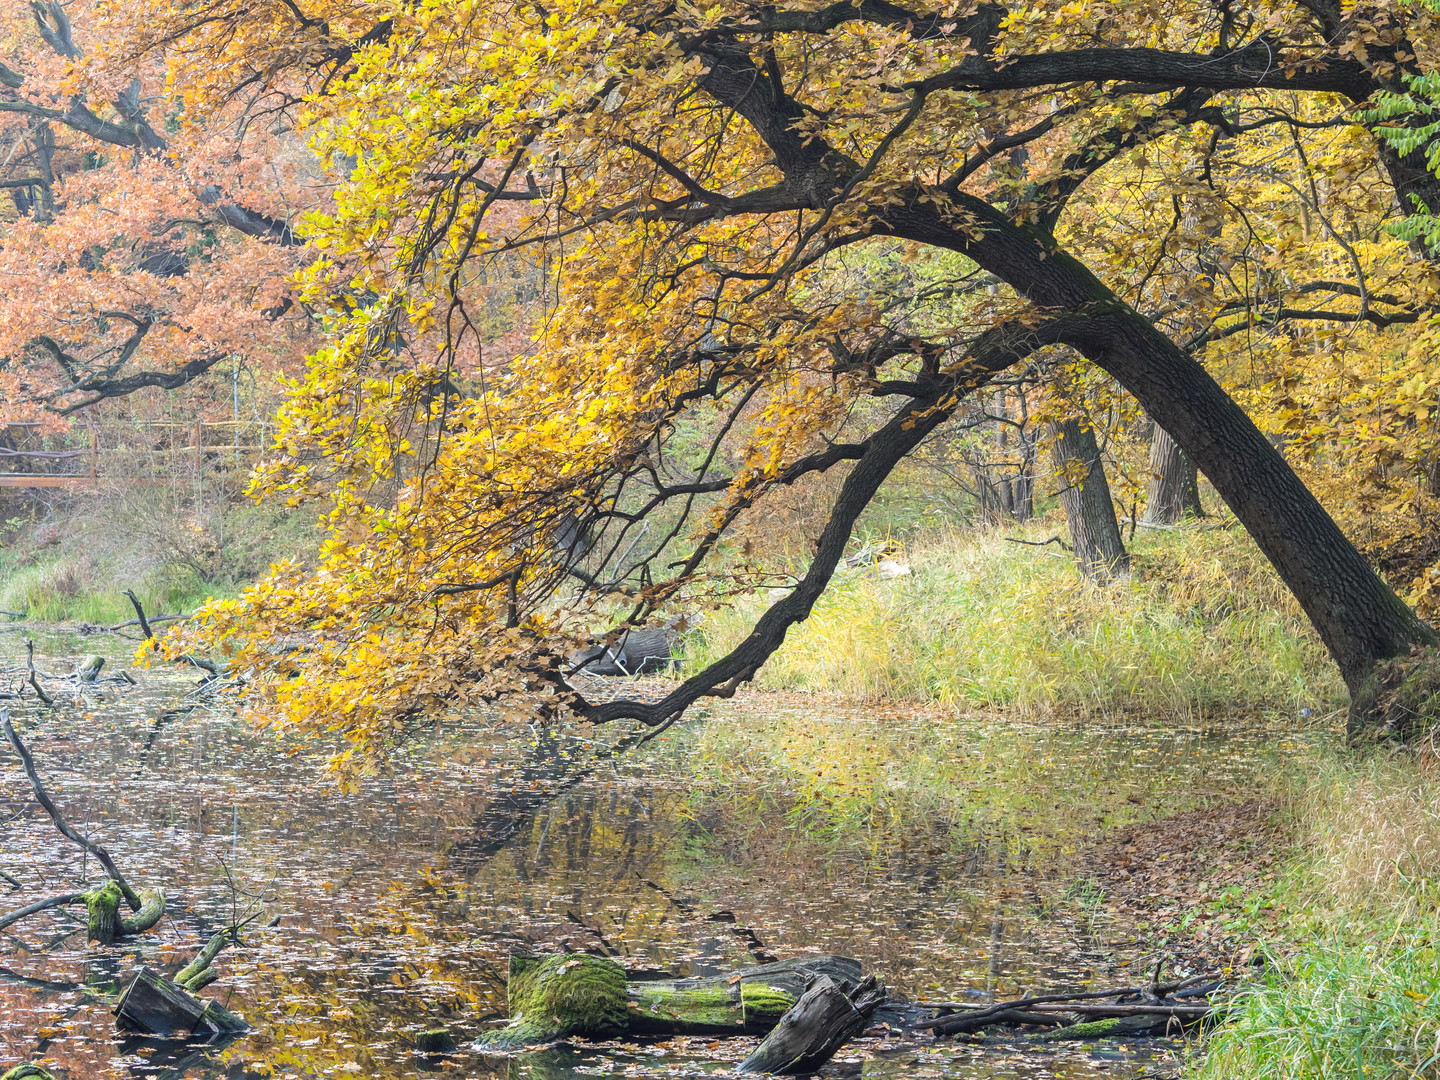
394	906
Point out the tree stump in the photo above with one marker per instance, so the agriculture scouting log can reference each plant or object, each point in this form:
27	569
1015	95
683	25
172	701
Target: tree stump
154	1005
825	1018
105	921
88	670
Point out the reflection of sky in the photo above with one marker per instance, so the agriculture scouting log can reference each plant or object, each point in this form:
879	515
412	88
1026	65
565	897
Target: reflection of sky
398	903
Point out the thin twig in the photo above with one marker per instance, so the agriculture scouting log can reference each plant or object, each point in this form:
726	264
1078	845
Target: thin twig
1040	543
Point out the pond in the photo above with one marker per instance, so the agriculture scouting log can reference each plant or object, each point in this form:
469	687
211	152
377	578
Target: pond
932	847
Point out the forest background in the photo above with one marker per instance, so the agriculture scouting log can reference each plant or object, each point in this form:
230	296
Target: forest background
232	241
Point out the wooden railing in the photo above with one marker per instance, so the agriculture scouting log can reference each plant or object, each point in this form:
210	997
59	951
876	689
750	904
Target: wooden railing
194	446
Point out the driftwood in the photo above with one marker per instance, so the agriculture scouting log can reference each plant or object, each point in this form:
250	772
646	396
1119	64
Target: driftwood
825	1018
633	652
575	994
1085	1015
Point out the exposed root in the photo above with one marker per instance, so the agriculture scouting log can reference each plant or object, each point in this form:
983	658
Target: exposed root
1401	699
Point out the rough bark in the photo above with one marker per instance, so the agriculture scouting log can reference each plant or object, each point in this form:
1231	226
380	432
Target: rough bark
825	1018
1174	489
1085	494
154	1005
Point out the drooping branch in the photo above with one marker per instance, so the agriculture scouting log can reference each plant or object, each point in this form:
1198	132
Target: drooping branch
997	350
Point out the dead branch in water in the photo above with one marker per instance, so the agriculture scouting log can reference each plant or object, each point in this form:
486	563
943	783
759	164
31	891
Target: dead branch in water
200	662
1066	1010
43	798
35	682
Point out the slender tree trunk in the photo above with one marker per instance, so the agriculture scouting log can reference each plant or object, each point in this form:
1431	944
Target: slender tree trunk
1174	490
1003	485
1025	477
1085	494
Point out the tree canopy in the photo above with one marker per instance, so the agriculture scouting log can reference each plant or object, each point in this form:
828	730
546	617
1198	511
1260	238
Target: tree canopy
766	241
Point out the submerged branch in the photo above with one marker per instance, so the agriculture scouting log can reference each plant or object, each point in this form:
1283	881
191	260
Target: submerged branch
42	797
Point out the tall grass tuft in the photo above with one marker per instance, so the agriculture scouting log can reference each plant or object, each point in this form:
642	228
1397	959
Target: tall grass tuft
1341	1008
1372	834
1203	625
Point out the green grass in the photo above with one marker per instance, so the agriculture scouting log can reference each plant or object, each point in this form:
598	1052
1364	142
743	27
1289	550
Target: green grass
62	591
1358	1006
1203	625
1351	987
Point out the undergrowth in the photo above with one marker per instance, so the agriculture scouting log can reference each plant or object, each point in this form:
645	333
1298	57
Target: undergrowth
1203	625
1351	983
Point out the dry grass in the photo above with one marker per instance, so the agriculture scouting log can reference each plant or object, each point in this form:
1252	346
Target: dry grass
1204	625
1373	835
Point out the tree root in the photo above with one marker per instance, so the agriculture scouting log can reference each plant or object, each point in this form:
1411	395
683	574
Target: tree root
1400	700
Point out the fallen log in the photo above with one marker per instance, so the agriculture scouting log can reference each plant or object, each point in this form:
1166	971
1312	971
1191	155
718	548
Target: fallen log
825	1018
575	994
155	1005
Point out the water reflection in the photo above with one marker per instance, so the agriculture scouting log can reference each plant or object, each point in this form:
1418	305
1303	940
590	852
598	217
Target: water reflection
396	904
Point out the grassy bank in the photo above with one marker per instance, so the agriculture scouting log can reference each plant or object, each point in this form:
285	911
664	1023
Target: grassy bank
1203	625
1351	986
72	567
1348	922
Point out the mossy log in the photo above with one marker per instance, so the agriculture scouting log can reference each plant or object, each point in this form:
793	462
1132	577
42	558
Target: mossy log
826	1017
1110	1026
154	1005
88	670
552	997
105	921
27	1071
198	974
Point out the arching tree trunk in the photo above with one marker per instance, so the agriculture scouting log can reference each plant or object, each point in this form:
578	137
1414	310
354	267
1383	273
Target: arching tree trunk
1357	615
1174	491
1085	494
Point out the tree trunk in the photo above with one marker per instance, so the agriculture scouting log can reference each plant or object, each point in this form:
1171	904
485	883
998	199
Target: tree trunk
1174	490
1085	495
1358	616
824	1019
